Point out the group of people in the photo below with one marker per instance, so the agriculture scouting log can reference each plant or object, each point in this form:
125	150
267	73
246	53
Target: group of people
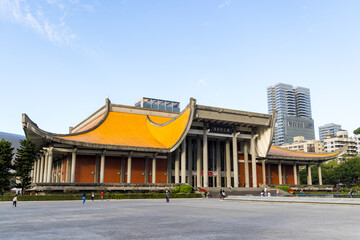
92	197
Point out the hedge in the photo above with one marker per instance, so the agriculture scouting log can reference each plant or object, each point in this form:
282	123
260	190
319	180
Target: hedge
285	188
55	197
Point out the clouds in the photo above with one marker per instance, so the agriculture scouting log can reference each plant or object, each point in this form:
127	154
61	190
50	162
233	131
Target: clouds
225	3
51	25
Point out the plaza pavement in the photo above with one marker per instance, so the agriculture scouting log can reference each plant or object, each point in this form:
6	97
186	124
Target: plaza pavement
179	219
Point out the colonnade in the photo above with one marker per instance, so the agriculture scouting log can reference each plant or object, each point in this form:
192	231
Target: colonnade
191	158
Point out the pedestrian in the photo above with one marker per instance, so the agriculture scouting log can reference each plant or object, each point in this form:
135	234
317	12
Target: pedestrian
102	195
15	200
223	194
277	192
262	193
84	199
302	192
265	191
269	194
167	195
351	193
92	196
220	195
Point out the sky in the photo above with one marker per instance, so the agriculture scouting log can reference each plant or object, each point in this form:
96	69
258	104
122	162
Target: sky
60	60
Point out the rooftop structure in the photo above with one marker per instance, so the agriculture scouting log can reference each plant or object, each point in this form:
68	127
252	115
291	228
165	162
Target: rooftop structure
160	104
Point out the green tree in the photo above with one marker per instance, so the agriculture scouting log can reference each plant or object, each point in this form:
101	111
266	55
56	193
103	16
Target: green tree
6	155
24	162
357	131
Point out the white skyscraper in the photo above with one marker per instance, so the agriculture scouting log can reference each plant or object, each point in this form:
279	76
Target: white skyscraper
294	112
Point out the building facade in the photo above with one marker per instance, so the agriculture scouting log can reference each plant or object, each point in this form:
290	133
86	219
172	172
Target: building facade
329	129
294	118
302	145
124	147
334	143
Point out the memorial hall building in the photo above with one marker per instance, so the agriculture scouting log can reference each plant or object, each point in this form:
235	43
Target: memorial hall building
153	144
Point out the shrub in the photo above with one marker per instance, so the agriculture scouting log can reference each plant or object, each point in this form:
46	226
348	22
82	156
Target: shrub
285	188
345	189
107	195
56	197
175	190
186	188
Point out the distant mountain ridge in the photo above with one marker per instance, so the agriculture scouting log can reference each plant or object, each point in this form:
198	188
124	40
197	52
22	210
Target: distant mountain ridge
13	138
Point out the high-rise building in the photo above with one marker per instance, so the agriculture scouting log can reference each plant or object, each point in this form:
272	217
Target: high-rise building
294	113
329	129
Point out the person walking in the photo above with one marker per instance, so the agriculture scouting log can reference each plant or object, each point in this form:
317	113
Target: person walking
220	195
84	199
223	194
92	196
15	200
102	195
351	193
167	195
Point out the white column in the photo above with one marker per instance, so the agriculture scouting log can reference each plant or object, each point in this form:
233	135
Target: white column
129	169
102	166
198	162
35	170
42	168
205	159
190	162
50	162
183	161
235	160
73	165
295	174
38	170
280	173
169	160
320	174
154	169
228	163
253	161
46	166
218	164
177	165
309	177
263	171
246	164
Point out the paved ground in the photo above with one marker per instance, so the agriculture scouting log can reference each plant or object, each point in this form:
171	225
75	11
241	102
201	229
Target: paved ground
179	219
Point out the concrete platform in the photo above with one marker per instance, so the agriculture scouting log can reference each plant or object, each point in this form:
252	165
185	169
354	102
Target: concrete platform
303	200
179	219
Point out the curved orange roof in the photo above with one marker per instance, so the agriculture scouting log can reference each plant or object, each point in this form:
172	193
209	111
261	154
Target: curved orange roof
136	130
277	151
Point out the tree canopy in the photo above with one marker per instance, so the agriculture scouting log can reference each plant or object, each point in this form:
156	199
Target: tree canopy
6	155
357	131
347	173
24	161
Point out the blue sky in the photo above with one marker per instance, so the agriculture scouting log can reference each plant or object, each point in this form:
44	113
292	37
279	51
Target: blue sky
60	60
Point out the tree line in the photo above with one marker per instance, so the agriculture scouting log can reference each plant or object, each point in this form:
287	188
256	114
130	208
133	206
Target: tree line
16	173
346	174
